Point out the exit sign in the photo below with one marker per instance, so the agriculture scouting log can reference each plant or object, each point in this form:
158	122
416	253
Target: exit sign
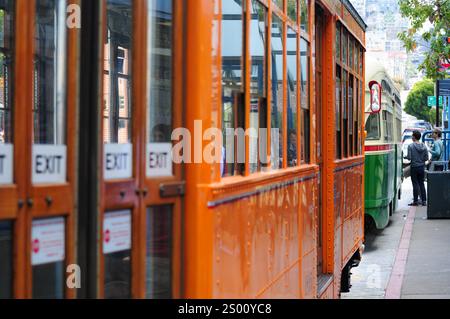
432	101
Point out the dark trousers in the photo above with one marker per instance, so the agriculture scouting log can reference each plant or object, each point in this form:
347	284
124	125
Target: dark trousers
418	177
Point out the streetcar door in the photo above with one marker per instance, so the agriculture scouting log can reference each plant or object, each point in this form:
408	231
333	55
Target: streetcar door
36	149
319	20
142	187
9	193
162	184
119	216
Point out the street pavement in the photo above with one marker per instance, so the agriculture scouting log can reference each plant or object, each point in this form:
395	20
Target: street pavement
406	262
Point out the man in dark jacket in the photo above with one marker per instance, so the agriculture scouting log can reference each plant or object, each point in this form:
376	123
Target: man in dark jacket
418	155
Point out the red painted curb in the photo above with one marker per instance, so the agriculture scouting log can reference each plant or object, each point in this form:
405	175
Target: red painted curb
394	287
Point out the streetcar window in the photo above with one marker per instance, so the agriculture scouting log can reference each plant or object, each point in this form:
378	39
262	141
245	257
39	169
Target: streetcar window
292	9
305	101
279	3
117	83
350	114
350	52
159	252
232	81
278	78
49	72
344	47
292	111
258	86
345	113
160	37
338	113
338	43
304	15
6	65
6	251
373	127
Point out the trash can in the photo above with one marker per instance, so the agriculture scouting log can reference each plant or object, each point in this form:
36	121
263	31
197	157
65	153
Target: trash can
438	195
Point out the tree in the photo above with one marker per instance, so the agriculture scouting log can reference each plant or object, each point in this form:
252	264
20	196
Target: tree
417	101
437	12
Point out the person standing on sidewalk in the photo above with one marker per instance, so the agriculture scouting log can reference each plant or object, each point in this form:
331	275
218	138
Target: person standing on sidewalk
418	155
437	151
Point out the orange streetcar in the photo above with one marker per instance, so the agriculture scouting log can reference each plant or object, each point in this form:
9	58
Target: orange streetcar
110	111
290	226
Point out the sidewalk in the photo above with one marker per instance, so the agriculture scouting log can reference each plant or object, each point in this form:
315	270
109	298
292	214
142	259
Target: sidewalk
427	273
410	259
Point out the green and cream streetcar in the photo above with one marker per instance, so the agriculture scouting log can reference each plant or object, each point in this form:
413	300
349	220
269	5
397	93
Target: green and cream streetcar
383	167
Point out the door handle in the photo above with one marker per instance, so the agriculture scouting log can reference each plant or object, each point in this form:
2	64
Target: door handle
30	202
49	200
20	203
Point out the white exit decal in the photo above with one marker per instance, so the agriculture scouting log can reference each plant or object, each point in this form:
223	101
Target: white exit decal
159	160
6	164
49	164
118	161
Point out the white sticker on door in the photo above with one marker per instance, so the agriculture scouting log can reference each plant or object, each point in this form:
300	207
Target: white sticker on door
116	232
159	160
47	241
6	164
49	164
118	161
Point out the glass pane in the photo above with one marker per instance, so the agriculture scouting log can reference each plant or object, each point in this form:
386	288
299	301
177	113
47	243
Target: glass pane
160	70
373	127
350	52
232	77
305	100
344	47
258	49
278	78
338	43
117	254
304	12
50	72
48	281
292	9
292	86
48	258
117	73
279	3
6	68
159	252
6	253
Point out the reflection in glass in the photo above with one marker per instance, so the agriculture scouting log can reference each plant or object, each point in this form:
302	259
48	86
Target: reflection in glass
305	100
292	9
350	52
232	77
338	43
338	112
49	106
118	275
344	47
258	49
279	3
159	252
304	15
292	110
277	92
6	65
6	254
160	70
48	281
117	73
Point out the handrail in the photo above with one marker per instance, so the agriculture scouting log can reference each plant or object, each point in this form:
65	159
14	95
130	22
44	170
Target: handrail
445	141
